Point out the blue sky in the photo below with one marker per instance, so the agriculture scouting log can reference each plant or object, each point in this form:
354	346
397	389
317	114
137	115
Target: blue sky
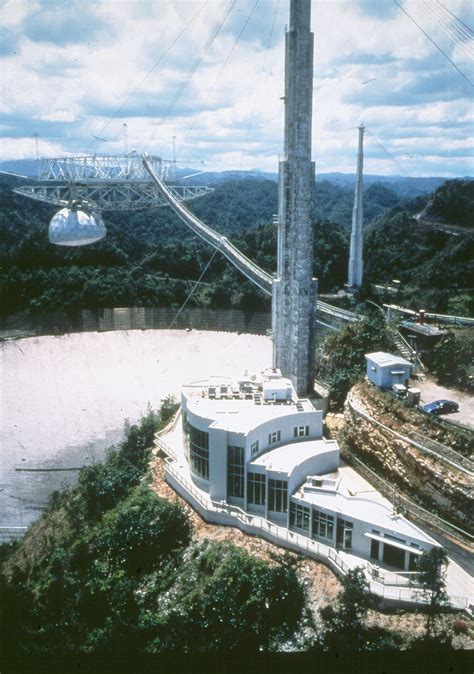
210	73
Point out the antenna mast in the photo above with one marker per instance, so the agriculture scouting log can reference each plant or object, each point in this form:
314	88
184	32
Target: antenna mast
356	250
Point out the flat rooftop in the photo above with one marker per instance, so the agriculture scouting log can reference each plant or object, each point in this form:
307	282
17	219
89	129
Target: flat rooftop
286	457
365	509
240	404
383	359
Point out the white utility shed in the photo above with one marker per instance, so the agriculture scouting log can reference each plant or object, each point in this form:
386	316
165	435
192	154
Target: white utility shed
386	369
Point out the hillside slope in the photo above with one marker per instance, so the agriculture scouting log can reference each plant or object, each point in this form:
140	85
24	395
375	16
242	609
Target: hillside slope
431	482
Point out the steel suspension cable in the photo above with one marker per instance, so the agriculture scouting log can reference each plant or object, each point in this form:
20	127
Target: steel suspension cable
193	289
236	41
196	64
440	21
434	43
152	69
467	30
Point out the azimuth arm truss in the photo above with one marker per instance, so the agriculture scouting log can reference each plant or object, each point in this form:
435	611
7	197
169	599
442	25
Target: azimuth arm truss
243	264
252	271
108	196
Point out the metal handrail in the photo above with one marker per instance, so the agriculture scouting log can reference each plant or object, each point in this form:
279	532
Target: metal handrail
293	538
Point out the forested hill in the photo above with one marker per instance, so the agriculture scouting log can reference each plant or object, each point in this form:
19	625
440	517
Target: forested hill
452	203
149	258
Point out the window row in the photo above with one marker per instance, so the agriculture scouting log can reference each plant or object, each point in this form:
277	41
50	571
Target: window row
299	516
274	437
323	525
235	471
277	492
198	452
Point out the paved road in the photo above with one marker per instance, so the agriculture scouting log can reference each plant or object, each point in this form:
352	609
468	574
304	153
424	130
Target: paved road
431	392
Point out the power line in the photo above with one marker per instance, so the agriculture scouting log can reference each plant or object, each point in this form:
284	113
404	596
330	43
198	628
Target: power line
155	65
433	42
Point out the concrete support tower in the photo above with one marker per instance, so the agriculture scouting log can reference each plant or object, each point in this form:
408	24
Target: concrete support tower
355	256
294	289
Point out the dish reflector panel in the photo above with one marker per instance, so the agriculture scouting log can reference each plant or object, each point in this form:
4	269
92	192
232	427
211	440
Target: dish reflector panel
73	227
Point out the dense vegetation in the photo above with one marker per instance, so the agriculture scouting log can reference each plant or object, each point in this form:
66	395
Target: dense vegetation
453	203
149	258
112	568
342	360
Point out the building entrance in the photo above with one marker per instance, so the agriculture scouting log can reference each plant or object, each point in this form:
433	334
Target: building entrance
394	556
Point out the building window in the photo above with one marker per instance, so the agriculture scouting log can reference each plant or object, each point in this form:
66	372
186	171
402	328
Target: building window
235	471
278	496
199	452
274	437
301	431
299	516
256	488
344	534
323	525
254	447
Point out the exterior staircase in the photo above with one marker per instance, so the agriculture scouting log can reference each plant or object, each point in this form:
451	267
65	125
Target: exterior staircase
406	351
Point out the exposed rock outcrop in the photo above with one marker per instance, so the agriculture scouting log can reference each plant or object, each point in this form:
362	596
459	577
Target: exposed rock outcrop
373	425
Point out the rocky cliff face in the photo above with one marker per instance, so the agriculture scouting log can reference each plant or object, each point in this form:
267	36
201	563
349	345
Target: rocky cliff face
373	425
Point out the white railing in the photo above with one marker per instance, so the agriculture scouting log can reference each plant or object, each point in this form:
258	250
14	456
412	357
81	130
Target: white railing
261	526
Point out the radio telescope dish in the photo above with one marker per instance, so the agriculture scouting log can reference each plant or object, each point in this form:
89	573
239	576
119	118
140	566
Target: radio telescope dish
73	227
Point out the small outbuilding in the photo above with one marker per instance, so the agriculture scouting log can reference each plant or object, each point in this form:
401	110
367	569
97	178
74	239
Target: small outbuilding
386	369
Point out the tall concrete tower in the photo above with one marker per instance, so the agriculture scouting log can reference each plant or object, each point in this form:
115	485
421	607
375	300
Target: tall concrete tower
294	289
355	256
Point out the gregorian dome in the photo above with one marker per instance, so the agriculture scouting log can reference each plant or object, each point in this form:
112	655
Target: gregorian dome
73	227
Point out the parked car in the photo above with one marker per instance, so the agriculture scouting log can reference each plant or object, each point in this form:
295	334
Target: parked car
441	407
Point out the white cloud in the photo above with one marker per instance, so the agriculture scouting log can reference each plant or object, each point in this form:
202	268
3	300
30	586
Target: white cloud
126	68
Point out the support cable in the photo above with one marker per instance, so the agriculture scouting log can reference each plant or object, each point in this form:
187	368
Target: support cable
439	18
435	44
196	64
152	69
467	29
224	65
400	170
193	289
252	114
461	36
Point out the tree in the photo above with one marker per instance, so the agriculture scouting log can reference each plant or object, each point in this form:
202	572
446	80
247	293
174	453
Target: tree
431	576
344	354
345	627
225	600
450	360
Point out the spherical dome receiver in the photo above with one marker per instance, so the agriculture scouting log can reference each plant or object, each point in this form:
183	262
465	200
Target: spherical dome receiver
73	227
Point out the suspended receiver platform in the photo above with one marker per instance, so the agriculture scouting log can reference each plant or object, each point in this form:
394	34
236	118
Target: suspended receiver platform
106	183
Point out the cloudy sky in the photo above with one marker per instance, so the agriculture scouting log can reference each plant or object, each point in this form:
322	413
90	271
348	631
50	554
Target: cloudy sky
210	73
